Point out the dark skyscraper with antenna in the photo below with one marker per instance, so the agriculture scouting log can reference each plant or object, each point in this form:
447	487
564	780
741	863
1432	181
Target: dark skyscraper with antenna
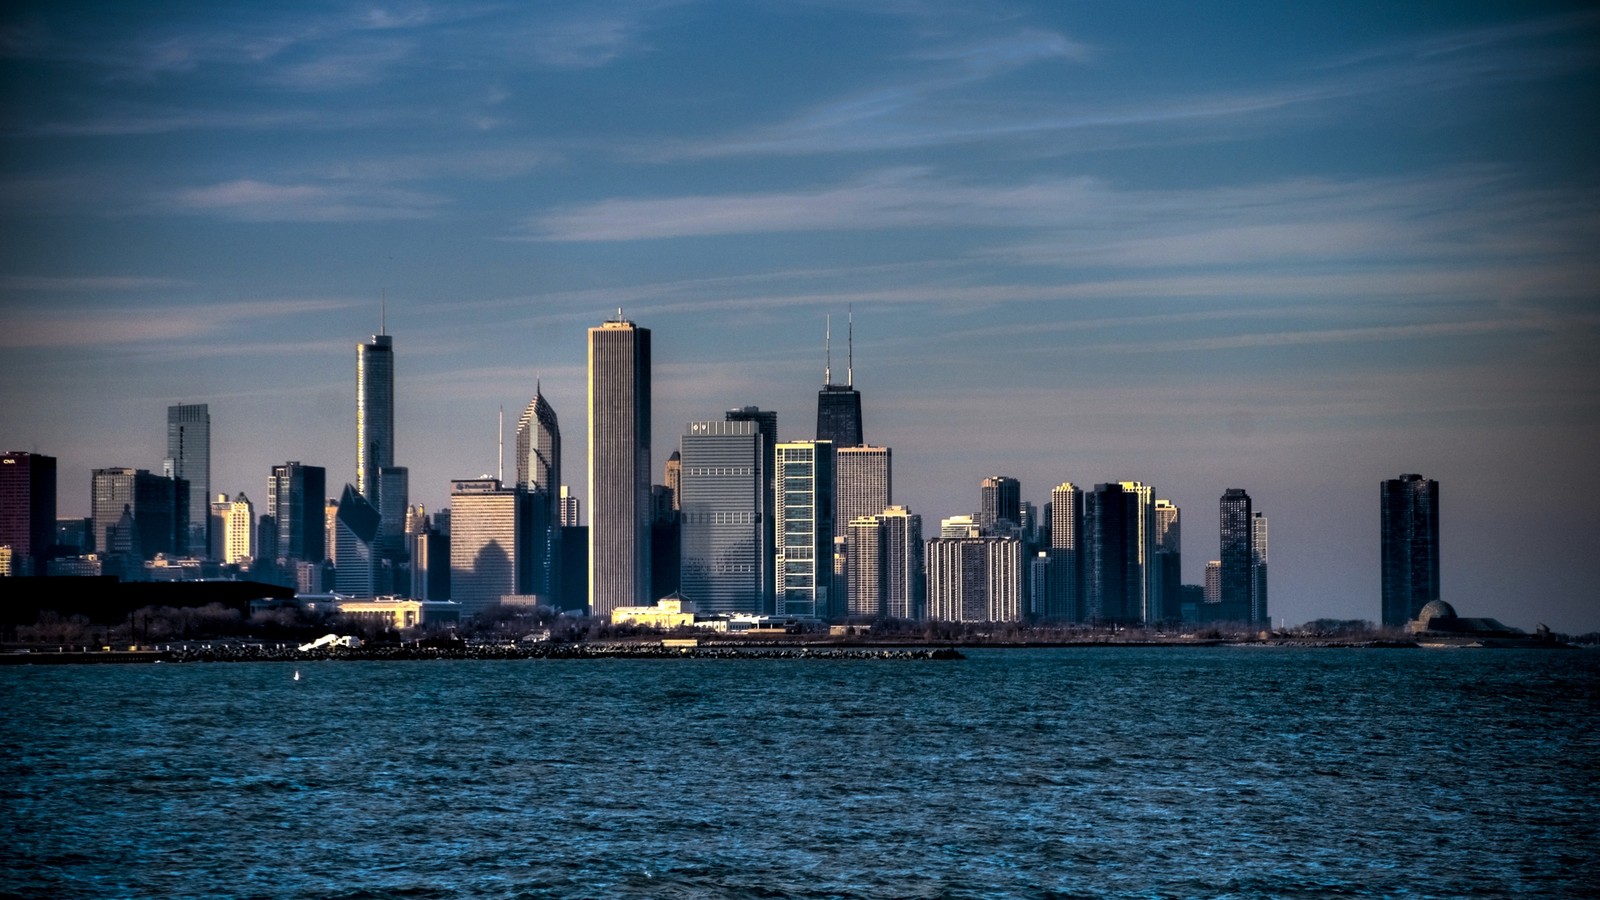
839	405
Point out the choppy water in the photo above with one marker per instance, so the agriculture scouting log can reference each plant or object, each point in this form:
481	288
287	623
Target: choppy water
1135	772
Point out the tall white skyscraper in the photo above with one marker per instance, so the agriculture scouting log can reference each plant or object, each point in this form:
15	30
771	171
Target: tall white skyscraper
189	458
863	484
619	466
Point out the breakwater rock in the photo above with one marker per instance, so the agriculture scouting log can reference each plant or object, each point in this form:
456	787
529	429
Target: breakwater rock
258	653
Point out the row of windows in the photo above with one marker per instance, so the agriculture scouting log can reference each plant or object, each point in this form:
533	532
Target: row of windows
719	470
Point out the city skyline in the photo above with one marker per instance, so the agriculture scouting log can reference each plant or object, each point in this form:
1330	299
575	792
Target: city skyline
1296	251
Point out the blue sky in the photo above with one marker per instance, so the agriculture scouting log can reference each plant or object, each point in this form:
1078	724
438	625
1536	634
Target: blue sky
1293	248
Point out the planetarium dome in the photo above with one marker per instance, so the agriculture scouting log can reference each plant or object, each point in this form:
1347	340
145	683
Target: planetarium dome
1435	609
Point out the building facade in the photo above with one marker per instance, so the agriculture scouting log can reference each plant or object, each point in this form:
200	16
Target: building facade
974	579
1106	595
1409	535
28	509
189	458
239	531
1235	555
726	555
356	574
374	413
619	466
804	479
1169	559
297	500
999	503
123	496
494	543
1259	613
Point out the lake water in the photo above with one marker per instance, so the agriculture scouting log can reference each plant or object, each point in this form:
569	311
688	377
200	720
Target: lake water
1090	772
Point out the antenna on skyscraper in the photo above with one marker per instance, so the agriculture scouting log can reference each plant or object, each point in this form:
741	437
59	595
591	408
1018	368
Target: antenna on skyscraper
500	475
383	311
850	347
827	344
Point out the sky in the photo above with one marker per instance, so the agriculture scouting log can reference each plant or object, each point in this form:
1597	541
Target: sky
1295	248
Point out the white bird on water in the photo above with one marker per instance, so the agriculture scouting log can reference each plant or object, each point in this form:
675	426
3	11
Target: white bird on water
296	674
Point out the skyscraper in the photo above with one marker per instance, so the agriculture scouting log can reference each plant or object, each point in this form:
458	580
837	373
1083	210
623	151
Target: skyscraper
1235	555
974	579
839	405
726	554
1169	559
619	466
863	484
1106	595
1146	587
999	501
297	500
239	530
539	472
152	507
904	587
493	543
28	509
374	413
805	503
767	424
1410	547
189	457
539	449
1056	574
671	478
1259	614
356	534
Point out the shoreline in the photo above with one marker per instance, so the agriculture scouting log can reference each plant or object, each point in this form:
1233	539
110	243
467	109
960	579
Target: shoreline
218	651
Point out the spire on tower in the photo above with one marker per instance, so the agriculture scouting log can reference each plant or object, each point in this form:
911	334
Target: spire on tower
850	348
827	345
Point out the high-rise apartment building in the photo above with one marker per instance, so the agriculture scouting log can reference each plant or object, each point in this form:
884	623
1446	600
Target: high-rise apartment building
1235	555
297	500
1169	559
1213	591
999	503
374	414
884	566
571	514
494	543
1259	614
805	501
726	553
1144	585
619	466
394	498
1107	596
151	504
1056	572
27	509
189	458
863	484
1410	547
218	515
974	579
864	567
239	530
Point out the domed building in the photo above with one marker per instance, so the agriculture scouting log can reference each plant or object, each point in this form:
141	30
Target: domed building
1437	625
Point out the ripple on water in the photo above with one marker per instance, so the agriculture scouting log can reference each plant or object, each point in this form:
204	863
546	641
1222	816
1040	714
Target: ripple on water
1117	772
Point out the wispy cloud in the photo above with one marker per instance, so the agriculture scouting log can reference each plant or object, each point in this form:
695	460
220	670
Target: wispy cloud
104	325
85	283
258	201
